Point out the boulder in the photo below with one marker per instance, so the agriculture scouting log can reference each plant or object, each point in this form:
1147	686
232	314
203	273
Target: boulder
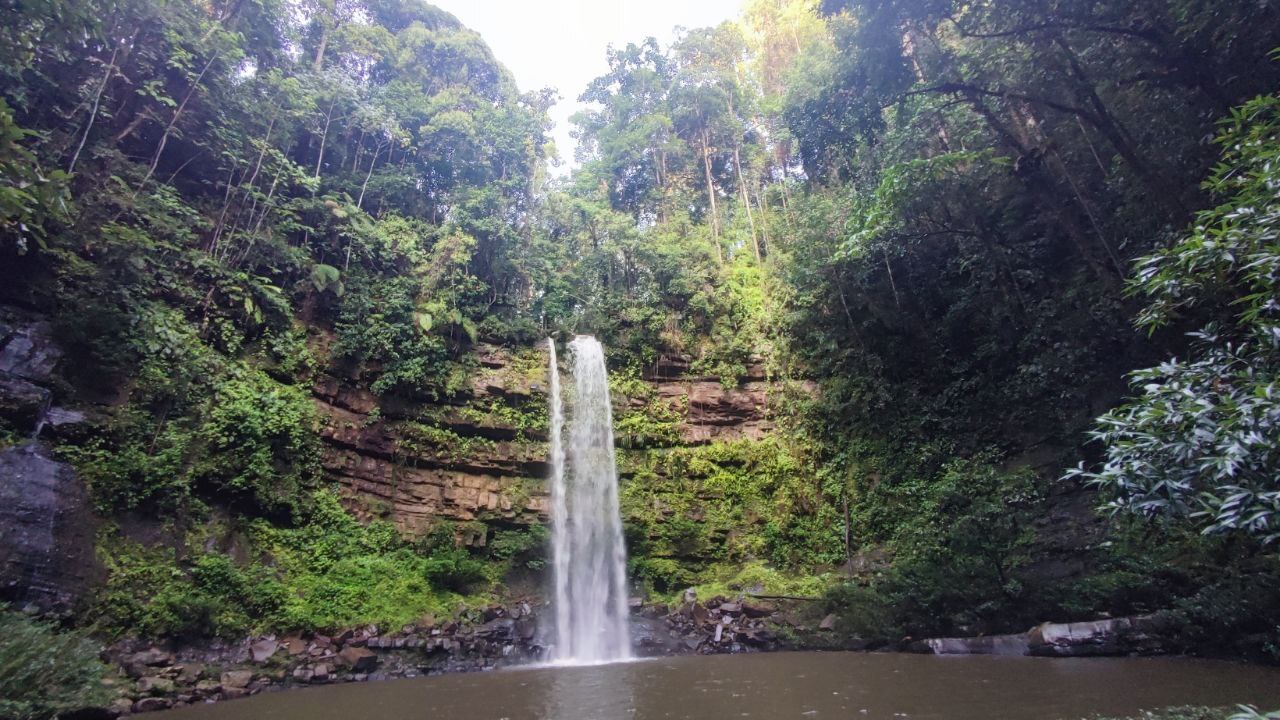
151	657
236	679
358	659
22	403
190	672
152	685
828	622
497	628
27	351
151	704
262	650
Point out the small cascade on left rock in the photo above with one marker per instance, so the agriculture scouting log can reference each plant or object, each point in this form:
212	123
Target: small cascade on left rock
587	550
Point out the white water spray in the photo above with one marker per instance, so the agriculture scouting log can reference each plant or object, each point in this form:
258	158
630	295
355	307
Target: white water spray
588	556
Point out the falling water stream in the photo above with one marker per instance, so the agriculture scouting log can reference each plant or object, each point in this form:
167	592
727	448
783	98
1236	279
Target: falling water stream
588	556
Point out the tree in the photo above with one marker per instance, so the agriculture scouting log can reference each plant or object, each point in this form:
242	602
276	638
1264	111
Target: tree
1200	444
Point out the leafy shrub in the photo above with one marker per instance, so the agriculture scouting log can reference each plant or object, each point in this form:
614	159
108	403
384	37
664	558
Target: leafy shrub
45	671
1201	440
259	444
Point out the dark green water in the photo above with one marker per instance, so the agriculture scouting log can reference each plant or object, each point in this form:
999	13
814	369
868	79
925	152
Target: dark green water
781	685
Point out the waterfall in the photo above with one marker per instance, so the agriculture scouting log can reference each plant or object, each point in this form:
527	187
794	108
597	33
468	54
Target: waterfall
588	556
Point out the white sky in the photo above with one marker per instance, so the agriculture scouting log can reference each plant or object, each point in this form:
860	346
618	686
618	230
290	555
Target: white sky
562	43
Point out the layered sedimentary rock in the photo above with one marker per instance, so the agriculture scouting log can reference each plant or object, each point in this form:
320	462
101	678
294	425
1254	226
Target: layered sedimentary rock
476	457
714	411
417	463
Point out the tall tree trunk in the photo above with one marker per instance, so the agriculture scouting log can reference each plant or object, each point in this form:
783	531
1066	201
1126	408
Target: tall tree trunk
318	63
711	196
746	204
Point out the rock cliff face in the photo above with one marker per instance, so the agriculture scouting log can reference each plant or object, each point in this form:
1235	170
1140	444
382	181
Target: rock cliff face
46	525
481	456
714	411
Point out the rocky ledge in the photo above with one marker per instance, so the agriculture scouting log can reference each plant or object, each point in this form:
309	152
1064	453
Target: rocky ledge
151	676
160	676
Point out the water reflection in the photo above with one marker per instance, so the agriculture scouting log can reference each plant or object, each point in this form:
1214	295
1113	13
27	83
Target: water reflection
803	686
590	692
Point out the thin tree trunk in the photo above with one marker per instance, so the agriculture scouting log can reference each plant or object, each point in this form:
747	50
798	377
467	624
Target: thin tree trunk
372	163
93	112
324	137
168	130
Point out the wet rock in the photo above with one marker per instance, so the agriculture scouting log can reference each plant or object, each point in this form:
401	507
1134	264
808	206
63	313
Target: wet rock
27	351
22	403
47	531
320	672
208	687
152	704
232	693
303	674
361	660
498	628
525	629
151	657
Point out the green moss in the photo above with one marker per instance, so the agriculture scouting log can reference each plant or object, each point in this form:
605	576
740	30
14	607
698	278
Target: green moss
757	578
421	439
723	505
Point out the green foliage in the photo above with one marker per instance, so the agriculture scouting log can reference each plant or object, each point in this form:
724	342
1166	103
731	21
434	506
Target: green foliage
957	557
250	442
1200	441
28	195
261	441
329	572
45	671
691	512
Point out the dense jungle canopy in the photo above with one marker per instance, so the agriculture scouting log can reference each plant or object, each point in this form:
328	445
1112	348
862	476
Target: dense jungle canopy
945	231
